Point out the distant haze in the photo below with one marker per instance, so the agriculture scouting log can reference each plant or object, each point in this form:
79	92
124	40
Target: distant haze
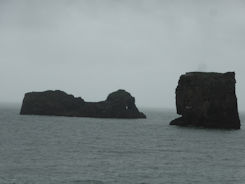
90	48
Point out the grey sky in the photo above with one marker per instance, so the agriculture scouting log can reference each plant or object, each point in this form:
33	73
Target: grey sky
90	48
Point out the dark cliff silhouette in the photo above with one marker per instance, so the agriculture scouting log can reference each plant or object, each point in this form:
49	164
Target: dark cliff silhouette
207	100
119	104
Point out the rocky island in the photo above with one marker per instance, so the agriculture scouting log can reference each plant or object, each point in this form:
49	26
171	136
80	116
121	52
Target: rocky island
119	104
207	100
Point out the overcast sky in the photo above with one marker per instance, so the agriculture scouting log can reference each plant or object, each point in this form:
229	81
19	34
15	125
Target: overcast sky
90	48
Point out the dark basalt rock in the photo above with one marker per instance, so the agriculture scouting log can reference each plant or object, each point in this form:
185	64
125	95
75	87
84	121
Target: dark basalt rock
207	100
119	104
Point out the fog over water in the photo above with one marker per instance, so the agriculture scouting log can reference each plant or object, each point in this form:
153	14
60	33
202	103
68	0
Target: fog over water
90	48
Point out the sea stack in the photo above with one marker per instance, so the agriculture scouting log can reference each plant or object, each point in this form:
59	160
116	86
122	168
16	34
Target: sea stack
207	100
119	104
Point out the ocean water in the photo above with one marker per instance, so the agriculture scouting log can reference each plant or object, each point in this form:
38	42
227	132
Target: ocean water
63	150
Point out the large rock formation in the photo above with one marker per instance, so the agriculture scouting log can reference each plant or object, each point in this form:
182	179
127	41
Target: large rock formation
119	104
207	100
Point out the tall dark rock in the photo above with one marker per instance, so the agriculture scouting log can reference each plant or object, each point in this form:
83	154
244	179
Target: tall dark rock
207	100
119	104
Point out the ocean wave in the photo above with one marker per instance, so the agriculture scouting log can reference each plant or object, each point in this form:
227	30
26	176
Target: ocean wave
87	182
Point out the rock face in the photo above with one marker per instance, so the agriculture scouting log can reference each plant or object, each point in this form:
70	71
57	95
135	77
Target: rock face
207	100
119	104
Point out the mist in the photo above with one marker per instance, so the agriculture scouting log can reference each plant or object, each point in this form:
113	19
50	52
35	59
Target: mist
90	48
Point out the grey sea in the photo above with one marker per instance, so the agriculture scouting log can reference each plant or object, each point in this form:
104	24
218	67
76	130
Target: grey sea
62	150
